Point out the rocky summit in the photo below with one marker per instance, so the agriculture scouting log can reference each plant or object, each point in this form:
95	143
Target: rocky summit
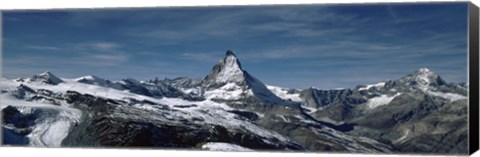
230	109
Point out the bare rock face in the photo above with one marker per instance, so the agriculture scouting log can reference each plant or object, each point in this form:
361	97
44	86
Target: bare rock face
321	98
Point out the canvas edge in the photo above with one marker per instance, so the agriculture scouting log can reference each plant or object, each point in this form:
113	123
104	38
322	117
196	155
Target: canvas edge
473	66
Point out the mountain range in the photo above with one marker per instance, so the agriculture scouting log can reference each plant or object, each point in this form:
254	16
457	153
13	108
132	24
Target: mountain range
232	110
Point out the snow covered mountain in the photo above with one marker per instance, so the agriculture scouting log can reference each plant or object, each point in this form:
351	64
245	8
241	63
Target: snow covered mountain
401	111
56	115
231	110
228	70
422	79
228	81
45	77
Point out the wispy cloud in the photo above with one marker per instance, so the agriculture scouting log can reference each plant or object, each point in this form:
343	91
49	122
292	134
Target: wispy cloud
243	22
102	46
44	48
106	46
298	46
92	46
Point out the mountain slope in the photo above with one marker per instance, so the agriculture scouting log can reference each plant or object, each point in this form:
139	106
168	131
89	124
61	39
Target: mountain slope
231	110
104	110
88	114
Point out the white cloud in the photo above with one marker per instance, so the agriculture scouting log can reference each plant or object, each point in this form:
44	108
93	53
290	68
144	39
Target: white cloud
94	46
105	46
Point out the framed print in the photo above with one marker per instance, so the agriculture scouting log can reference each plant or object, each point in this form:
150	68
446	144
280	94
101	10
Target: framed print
379	78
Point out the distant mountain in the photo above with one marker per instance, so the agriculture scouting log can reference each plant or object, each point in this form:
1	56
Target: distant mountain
45	77
230	109
399	112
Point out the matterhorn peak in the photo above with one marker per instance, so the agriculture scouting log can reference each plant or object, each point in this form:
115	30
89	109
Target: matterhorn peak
226	70
230	53
228	74
232	60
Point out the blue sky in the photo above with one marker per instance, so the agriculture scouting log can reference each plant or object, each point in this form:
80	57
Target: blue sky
326	46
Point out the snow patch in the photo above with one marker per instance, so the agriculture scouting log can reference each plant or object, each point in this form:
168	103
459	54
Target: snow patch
380	100
310	110
378	85
230	91
221	146
283	93
193	91
449	96
51	133
8	85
